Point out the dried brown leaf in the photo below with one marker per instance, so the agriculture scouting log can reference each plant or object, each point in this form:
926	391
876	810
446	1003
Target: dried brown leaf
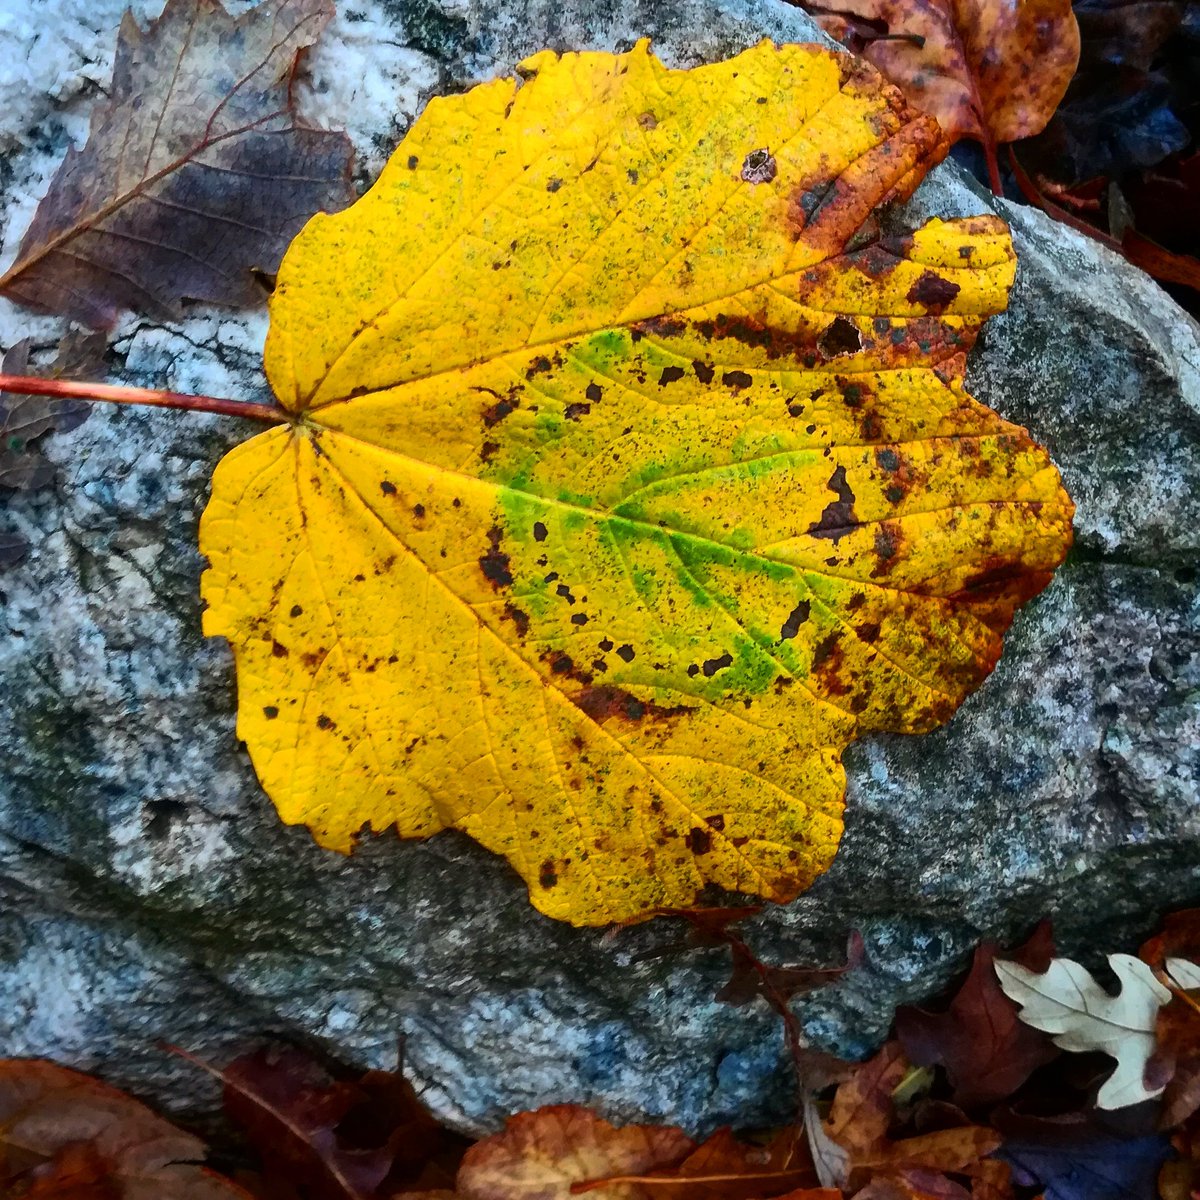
68	1136
196	170
540	1155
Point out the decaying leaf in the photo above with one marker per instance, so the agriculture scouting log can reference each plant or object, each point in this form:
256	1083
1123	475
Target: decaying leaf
986	1050
863	1110
539	1155
195	172
67	1136
1066	1002
990	70
26	419
623	488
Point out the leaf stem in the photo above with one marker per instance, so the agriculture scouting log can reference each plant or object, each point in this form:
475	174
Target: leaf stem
109	393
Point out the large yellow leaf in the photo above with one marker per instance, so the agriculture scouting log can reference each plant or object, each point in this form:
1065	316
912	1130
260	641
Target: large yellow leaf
622	491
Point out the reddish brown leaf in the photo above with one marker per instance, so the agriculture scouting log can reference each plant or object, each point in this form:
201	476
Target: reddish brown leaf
67	1136
196	171
336	1140
986	1050
987	69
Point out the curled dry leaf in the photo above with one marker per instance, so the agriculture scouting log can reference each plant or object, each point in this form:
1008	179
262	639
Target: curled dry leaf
196	170
606	553
539	1155
991	70
1066	1002
64	1134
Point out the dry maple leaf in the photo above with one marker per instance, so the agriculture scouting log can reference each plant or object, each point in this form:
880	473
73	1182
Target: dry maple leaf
1067	1003
618	495
64	1134
195	171
991	70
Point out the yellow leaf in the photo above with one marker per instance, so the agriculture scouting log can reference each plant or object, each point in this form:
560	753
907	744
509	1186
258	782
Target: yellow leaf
623	491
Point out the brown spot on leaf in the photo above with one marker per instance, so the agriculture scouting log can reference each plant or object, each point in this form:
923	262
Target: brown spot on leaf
387	488
594	392
704	372
495	563
270	711
518	618
540	532
602	702
795	619
932	291
736	379
670	375
324	722
576	410
838	517
547	875
698	841
713	665
625	652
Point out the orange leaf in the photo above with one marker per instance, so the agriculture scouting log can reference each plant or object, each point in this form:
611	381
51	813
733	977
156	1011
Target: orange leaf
987	69
540	1155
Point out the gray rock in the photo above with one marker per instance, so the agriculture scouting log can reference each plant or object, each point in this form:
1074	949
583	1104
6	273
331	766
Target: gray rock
148	890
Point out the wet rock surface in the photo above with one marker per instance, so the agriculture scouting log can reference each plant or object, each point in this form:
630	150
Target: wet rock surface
147	889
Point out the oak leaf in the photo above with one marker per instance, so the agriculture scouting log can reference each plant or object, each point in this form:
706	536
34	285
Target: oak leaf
1067	1003
990	70
196	170
67	1136
619	493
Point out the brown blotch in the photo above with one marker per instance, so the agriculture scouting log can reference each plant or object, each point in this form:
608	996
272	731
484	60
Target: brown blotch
795	619
698	841
717	821
670	375
387	488
488	451
603	701
547	875
296	610
418	511
495	563
540	533
493	414
561	663
933	292
838	517
324	722
713	665
539	366
278	649
736	379
576	410
888	541
594	392
625	652
518	618
270	711
704	372
868	632
648	121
